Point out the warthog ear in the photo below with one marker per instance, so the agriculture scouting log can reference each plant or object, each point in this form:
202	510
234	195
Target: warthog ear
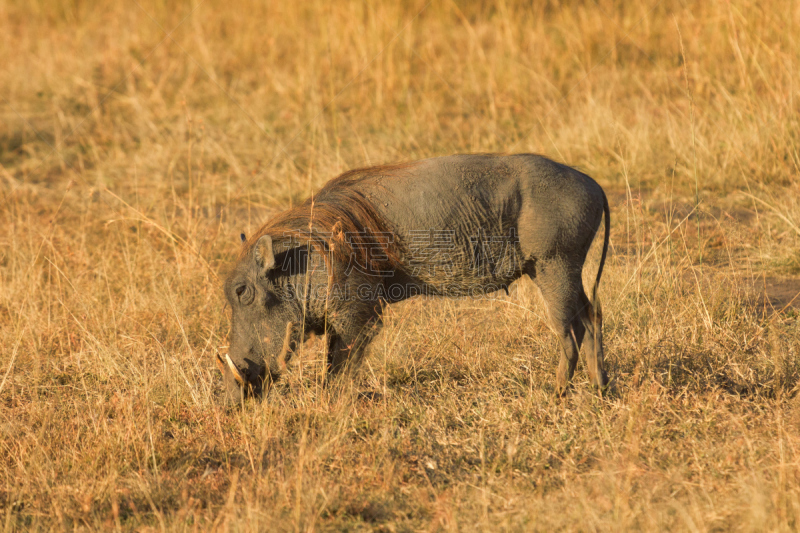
263	254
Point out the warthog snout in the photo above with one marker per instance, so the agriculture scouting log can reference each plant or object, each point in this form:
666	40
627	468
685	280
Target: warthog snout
253	373
242	383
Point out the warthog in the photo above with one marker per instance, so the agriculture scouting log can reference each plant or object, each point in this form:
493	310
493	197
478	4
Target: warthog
461	225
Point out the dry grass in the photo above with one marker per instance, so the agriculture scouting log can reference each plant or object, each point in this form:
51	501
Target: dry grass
130	160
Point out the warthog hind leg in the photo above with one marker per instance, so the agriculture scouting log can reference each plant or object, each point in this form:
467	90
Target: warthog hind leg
591	319
571	318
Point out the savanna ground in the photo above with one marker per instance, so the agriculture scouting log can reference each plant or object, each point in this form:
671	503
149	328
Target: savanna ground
139	138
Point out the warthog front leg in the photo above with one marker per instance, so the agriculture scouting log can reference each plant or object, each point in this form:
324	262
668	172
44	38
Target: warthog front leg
347	349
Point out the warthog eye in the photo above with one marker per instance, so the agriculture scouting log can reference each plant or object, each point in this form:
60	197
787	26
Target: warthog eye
245	293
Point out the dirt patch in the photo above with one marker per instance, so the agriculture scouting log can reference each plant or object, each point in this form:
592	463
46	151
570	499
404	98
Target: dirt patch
777	293
767	294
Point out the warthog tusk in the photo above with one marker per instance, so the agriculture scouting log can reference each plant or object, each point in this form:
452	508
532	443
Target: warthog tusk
220	364
236	374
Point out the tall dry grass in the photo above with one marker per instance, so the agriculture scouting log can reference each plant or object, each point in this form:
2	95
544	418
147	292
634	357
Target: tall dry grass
138	139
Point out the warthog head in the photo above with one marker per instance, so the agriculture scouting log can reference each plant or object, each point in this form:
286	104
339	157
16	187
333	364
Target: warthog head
263	323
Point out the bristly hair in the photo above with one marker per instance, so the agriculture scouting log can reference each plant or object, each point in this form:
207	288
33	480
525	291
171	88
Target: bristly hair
340	222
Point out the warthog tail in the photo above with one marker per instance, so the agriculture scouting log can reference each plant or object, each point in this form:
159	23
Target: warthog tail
606	238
